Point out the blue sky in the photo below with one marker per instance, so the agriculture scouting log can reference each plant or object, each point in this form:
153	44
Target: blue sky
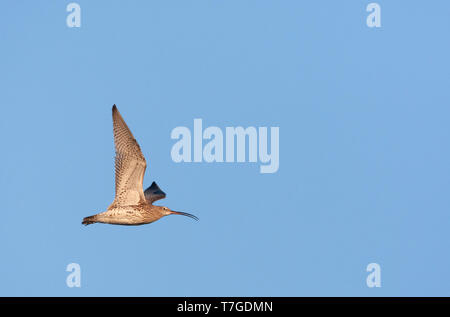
364	153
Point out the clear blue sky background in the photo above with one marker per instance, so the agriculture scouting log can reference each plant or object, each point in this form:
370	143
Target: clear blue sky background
364	147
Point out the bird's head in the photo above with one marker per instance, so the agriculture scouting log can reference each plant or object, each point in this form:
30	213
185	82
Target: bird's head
166	211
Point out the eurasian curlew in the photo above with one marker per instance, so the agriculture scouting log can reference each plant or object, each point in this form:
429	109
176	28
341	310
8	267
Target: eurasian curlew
131	206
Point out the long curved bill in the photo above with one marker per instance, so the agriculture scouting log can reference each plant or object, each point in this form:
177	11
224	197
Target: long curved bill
184	214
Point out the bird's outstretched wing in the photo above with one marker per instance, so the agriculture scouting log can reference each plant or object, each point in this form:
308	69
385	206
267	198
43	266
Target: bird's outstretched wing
154	193
130	164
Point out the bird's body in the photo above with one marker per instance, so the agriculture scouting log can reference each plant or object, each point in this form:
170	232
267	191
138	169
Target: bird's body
131	206
127	215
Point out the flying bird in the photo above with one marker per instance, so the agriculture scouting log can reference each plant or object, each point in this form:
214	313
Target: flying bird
132	205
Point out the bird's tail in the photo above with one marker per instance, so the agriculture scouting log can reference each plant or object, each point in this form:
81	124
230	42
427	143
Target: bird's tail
89	220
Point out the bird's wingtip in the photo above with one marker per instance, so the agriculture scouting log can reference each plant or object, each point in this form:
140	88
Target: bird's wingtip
155	188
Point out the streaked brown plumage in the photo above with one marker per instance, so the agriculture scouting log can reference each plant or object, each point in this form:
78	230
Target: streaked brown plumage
131	205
